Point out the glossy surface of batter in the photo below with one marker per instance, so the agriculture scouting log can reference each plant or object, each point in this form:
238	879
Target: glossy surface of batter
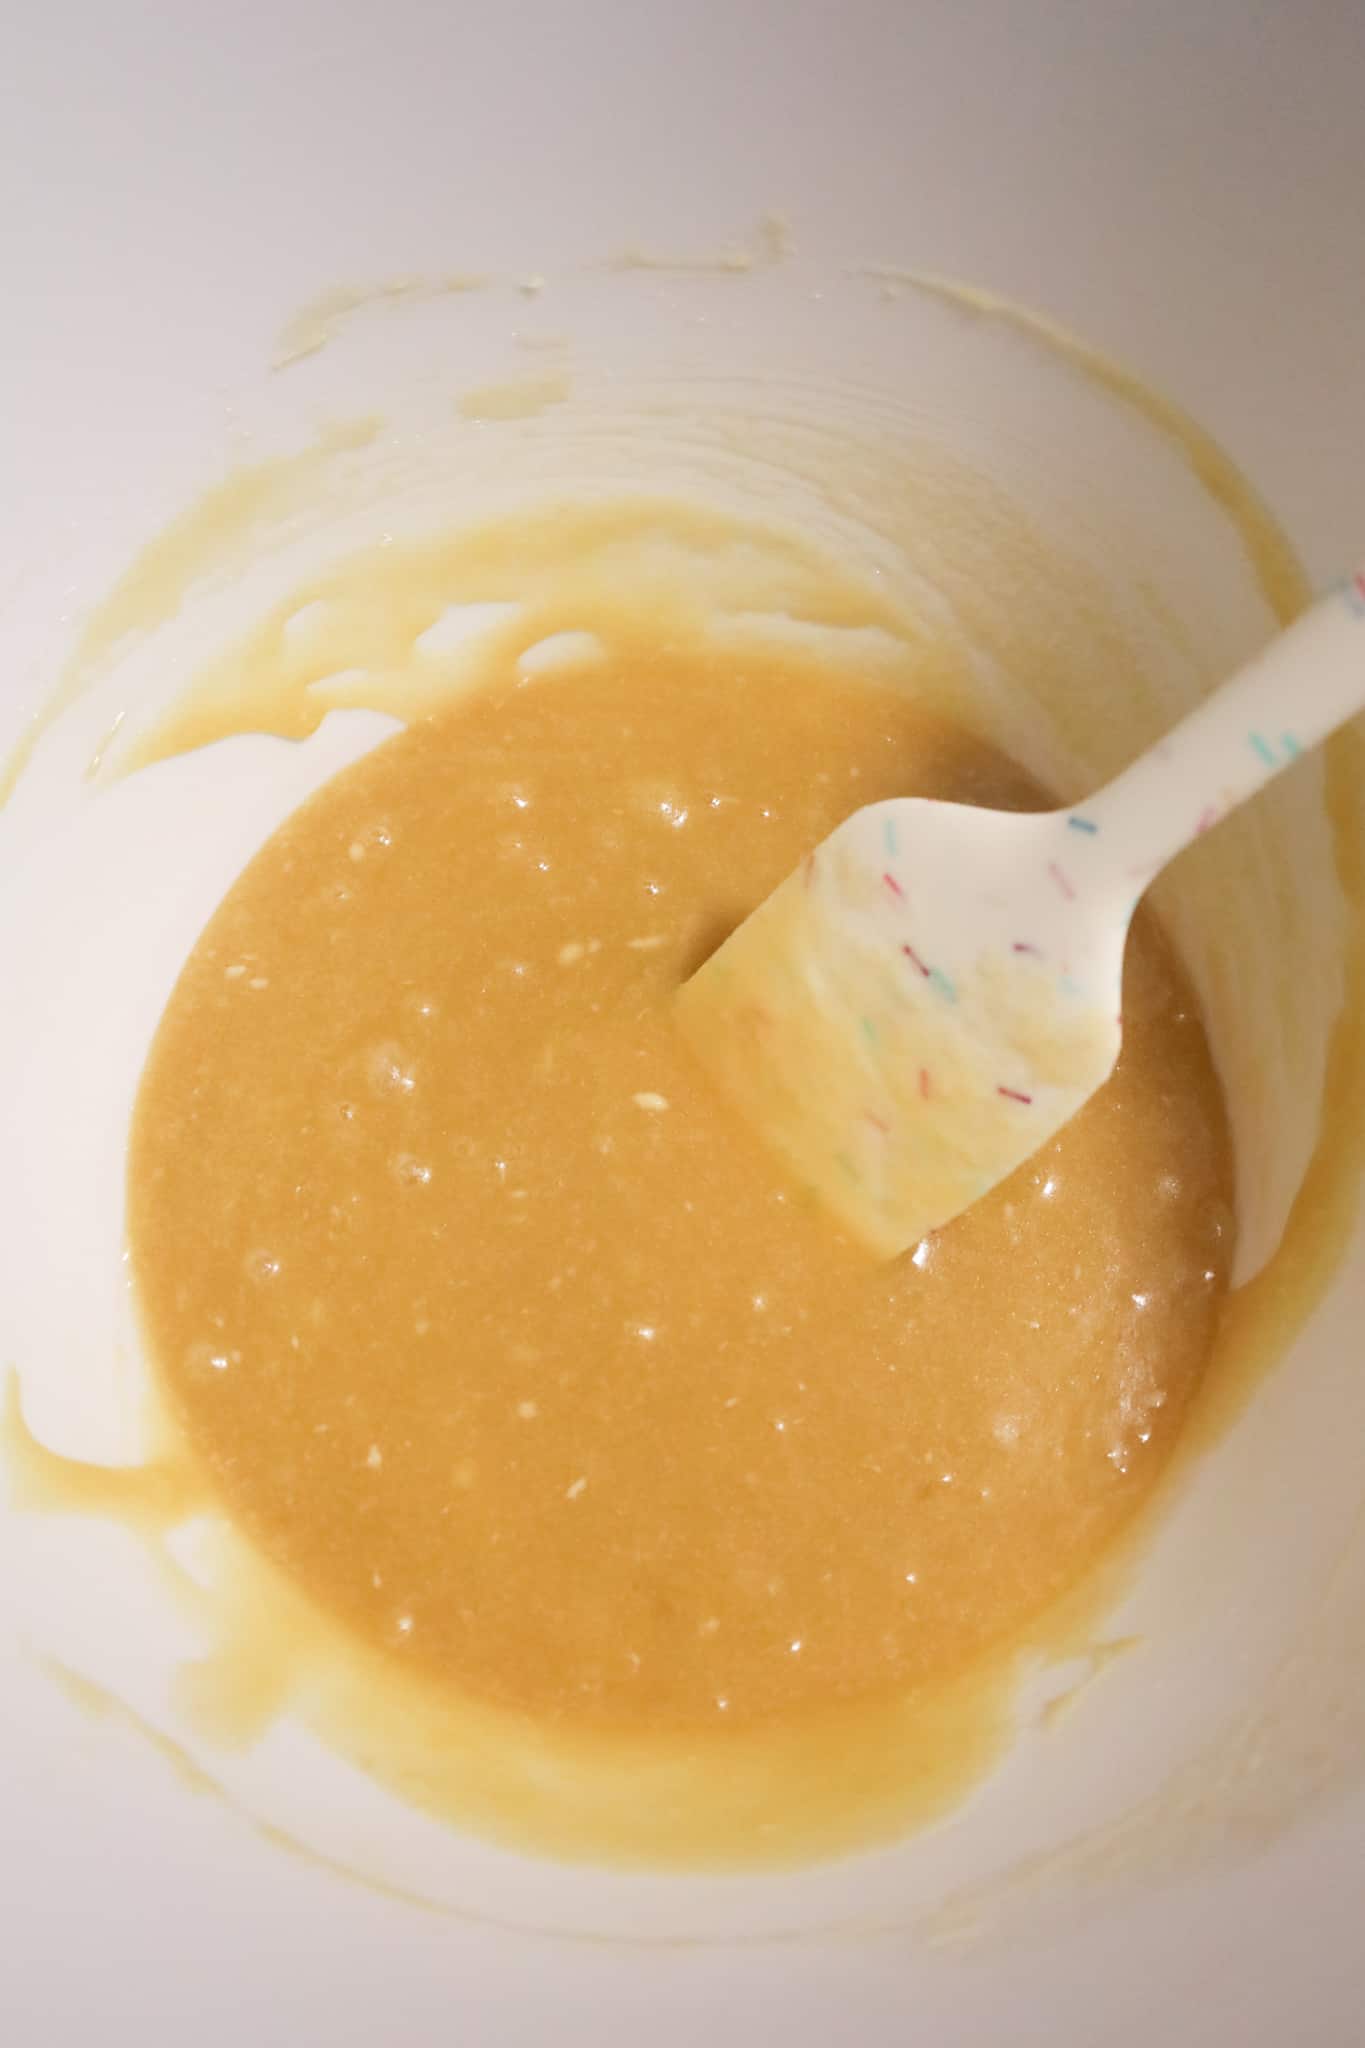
514	1348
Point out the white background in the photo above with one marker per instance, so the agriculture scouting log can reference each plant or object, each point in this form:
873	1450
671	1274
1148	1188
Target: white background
1184	181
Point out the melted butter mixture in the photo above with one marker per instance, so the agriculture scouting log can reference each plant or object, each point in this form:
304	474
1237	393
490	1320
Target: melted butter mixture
513	1349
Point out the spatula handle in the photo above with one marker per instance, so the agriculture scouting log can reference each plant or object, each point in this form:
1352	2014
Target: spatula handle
1286	700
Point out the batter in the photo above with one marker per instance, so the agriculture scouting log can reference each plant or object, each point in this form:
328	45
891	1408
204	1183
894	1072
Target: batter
506	1340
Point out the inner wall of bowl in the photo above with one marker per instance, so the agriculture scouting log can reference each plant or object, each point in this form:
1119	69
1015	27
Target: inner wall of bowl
967	475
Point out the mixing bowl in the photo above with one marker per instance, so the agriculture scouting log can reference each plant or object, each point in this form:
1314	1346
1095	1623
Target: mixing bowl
963	462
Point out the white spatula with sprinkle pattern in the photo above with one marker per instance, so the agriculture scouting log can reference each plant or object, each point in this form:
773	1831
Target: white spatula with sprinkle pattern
936	990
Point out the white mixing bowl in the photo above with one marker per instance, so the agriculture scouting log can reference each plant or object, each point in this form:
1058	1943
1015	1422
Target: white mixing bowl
468	238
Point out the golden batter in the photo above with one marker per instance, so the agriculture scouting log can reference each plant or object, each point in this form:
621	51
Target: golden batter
516	1350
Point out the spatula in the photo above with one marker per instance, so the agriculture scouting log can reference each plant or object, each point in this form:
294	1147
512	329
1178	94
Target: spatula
936	990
